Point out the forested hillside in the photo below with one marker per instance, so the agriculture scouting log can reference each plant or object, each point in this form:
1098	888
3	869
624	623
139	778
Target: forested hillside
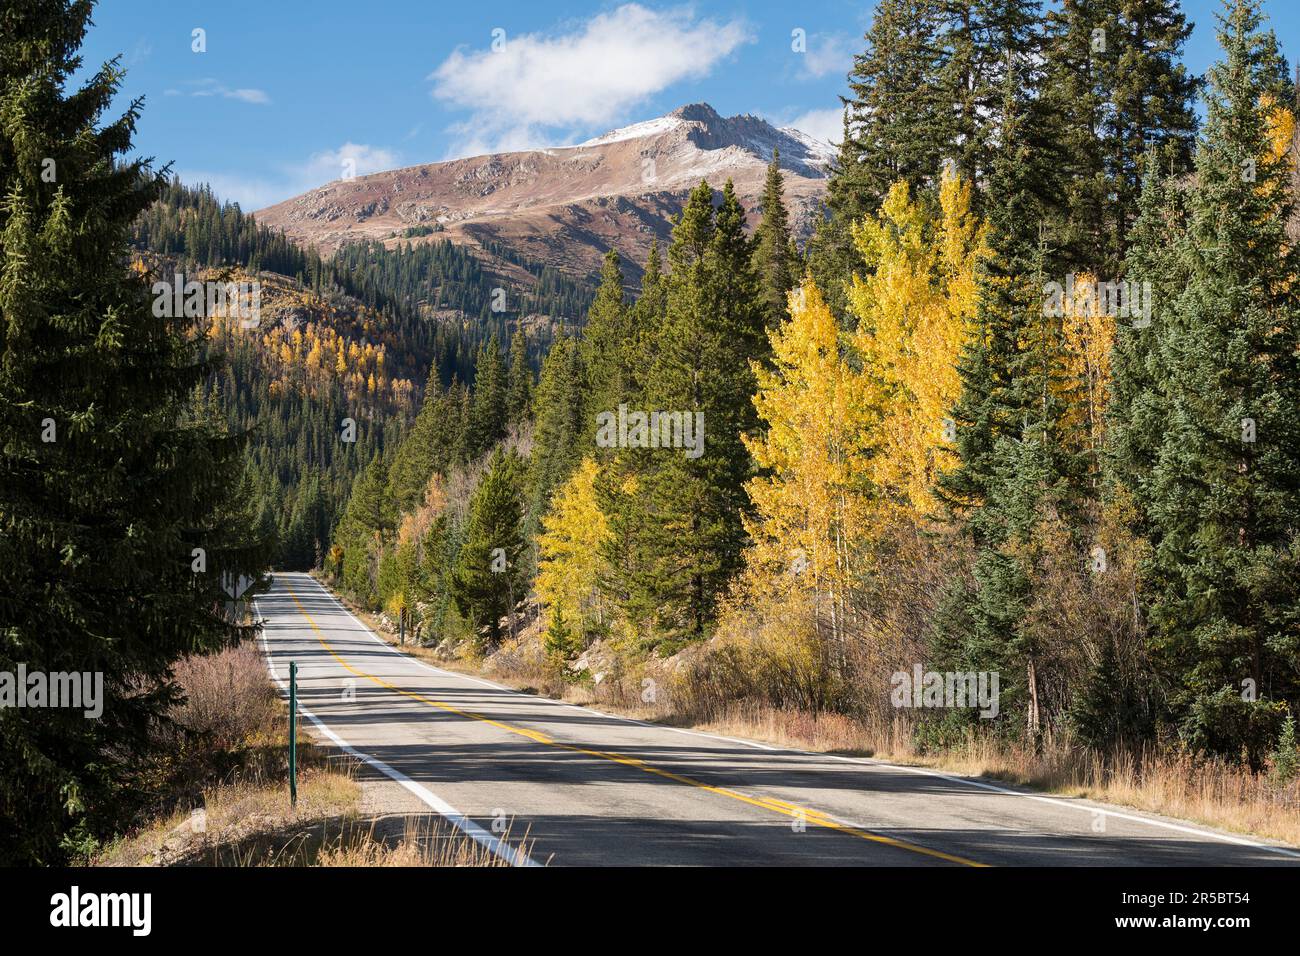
354	337
1026	405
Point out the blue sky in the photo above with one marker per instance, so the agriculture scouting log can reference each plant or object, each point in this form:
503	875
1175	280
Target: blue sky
286	93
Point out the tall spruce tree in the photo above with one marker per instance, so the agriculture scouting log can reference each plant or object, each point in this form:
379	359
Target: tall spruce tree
1015	475
488	408
676	513
118	515
606	350
519	390
1224	504
1114	76
896	126
774	259
1136	412
558	437
488	578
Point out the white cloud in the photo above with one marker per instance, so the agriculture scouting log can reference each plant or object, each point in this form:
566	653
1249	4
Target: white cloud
588	77
247	95
828	53
257	192
209	87
825	125
331	164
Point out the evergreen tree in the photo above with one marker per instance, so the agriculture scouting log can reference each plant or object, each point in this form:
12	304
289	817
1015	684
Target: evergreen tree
676	515
488	580
1113	75
367	524
425	449
895	127
519	398
606	342
1016	479
558	437
1137	412
110	480
777	269
1225	486
488	411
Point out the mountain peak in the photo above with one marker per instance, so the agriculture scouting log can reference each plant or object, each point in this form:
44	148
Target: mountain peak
708	130
697	112
567	205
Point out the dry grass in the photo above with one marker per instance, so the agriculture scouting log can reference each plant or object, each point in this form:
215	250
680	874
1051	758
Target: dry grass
1210	792
228	786
225	780
255	826
425	842
240	819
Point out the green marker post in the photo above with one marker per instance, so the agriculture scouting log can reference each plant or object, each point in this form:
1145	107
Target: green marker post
293	733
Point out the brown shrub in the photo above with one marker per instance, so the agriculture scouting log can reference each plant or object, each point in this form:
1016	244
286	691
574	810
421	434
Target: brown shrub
228	696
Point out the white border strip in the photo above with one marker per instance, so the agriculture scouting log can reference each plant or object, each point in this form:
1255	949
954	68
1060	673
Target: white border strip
1076	804
515	856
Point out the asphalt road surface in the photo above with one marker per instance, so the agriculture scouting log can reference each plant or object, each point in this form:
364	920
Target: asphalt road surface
596	789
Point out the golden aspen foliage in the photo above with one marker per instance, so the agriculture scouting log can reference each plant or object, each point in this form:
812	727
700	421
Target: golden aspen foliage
914	308
569	551
1088	329
1281	128
811	500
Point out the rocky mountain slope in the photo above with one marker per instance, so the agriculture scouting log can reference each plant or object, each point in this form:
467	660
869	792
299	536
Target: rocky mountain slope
566	206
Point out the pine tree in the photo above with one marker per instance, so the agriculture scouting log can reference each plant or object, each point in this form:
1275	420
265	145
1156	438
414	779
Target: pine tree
1136	411
119	515
367	525
488	411
676	515
777	270
488	579
429	446
1016	485
1225	486
606	343
988	45
557	441
519	394
1113	74
895	127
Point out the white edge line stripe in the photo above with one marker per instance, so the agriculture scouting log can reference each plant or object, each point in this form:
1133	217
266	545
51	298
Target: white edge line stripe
1077	804
515	856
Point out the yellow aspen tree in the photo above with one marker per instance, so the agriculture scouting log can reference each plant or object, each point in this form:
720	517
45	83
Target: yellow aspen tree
914	308
1281	129
811	500
1088	328
569	551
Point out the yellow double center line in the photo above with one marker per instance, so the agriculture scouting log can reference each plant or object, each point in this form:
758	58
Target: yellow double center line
794	811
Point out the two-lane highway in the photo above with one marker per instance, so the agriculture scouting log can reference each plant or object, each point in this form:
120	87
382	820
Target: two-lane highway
592	788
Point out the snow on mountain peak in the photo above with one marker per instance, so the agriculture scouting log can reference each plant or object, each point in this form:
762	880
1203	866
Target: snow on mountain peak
652	127
709	130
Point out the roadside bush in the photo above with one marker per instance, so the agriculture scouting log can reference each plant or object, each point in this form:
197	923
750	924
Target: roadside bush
228	697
